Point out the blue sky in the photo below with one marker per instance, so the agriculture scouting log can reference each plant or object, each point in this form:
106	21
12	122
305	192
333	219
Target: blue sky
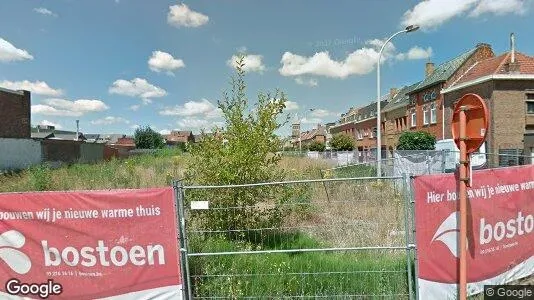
115	64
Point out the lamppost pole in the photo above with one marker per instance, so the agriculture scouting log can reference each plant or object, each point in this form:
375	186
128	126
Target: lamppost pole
378	115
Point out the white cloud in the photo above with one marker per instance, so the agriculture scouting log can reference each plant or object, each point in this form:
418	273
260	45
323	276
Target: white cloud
9	53
308	82
164	132
242	49
415	53
110	120
322	113
44	11
37	87
359	62
290	105
430	14
499	7
182	16
197	123
137	87
253	62
135	107
162	61
311	120
135	126
49	123
193	108
66	108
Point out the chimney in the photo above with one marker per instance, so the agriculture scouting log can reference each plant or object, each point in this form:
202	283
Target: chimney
392	92
512	47
512	67
77	129
429	69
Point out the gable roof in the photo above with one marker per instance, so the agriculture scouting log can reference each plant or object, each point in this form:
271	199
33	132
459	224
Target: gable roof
402	98
444	71
310	134
496	65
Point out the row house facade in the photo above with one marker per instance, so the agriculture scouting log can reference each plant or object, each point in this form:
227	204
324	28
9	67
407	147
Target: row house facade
360	125
506	83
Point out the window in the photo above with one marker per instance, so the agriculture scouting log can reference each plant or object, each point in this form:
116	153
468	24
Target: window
373	132
530	103
426	115
433	116
413	118
360	134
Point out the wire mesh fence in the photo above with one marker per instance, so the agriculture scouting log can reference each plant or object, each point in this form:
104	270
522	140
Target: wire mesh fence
330	238
425	162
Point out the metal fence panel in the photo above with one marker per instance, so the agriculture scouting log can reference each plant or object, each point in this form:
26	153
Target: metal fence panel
334	239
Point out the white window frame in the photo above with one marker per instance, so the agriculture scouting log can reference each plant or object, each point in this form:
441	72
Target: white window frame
426	115
359	134
433	114
373	130
413	118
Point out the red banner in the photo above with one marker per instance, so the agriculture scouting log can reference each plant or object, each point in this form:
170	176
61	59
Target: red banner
87	245
500	230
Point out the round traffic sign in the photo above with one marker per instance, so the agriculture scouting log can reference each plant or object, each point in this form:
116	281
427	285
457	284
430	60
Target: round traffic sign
477	121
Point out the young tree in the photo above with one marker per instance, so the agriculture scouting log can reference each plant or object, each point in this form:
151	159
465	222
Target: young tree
342	142
418	140
146	138
243	151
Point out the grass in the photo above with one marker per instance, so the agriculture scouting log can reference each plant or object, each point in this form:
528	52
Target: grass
340	214
153	170
308	274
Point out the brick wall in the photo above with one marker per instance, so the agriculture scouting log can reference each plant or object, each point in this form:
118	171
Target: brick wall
506	103
366	142
432	128
15	114
393	128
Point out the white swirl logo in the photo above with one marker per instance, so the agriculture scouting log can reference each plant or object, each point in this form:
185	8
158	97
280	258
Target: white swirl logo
447	233
10	241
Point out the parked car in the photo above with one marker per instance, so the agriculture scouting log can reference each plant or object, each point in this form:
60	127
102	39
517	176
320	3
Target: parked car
452	155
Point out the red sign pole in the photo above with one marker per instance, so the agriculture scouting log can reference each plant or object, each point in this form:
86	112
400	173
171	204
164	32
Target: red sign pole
464	166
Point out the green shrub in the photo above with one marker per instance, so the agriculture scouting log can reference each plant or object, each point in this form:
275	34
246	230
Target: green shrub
419	140
342	142
317	146
40	177
147	138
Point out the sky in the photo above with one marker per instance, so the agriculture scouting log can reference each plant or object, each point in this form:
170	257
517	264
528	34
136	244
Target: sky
119	64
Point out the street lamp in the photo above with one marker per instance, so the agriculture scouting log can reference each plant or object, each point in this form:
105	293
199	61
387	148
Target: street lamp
410	28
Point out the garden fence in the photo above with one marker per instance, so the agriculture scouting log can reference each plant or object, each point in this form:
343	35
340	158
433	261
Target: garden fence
329	238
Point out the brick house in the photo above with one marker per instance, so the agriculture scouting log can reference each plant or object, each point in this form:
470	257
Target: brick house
425	108
179	137
318	134
15	114
395	117
506	83
124	143
360	124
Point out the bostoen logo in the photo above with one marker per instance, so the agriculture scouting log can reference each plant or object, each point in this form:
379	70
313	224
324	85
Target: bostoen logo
10	243
448	231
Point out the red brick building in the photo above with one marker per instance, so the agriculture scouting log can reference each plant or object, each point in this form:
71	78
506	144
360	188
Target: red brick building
425	108
15	114
506	83
179	137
